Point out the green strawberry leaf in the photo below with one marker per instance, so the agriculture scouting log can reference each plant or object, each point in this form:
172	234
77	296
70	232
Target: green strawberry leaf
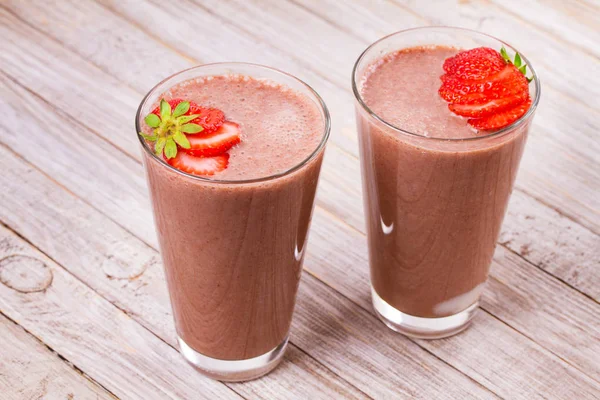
187	118
191	128
150	138
181	109
152	120
517	60
181	140
165	110
170	128
170	148
160	145
523	69
504	55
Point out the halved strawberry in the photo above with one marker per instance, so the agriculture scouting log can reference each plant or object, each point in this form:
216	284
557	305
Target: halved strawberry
501	119
227	136
202	166
478	63
485	108
486	86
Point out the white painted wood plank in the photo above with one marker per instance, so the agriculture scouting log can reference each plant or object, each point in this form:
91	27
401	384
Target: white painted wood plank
91	333
573	22
30	370
300	375
106	257
554	243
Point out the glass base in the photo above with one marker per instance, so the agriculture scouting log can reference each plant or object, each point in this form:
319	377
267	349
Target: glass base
233	370
422	328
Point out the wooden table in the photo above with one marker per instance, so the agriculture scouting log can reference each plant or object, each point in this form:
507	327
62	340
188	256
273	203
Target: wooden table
83	303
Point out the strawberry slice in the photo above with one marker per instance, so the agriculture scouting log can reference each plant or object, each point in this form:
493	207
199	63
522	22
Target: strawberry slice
478	63
508	82
483	109
458	98
227	136
202	166
501	119
211	119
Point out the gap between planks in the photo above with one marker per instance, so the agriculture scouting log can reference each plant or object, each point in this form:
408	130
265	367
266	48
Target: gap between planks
52	353
558	38
549	350
32	245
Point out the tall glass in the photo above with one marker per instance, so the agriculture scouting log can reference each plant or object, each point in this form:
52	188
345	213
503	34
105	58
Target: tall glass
433	206
233	250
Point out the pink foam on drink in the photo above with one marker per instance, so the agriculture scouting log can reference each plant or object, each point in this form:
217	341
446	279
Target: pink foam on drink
280	127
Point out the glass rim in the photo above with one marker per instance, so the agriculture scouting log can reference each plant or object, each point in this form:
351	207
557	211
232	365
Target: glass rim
320	103
509	128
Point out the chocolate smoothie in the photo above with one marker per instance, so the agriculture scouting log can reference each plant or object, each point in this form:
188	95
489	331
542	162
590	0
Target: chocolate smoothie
233	243
433	207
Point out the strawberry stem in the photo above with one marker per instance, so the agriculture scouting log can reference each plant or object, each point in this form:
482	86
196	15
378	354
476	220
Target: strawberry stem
517	62
170	128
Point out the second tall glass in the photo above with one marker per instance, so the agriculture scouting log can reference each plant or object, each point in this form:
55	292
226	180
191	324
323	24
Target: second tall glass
434	204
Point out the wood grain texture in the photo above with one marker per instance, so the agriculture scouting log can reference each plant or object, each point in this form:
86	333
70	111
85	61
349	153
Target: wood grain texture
95	336
553	242
144	297
573	22
30	370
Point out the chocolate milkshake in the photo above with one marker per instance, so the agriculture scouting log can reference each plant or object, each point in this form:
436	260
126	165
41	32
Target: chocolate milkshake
435	190
233	242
